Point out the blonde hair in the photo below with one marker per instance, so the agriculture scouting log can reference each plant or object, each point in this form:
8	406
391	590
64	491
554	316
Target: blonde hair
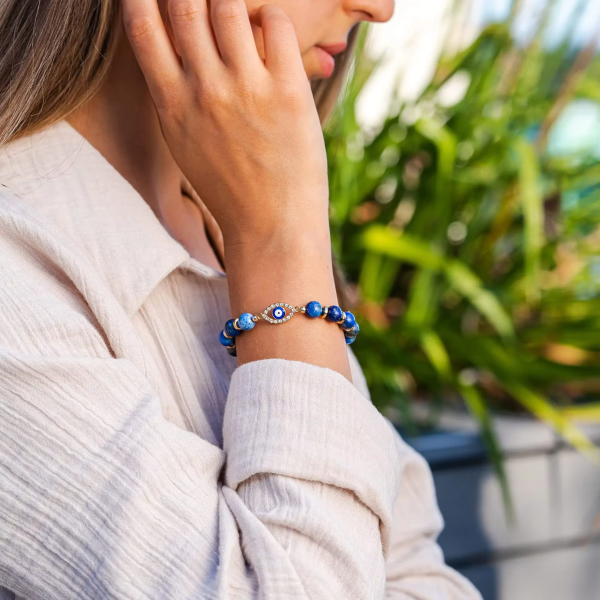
54	55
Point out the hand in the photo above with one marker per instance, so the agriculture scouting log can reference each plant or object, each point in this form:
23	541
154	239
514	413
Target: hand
244	131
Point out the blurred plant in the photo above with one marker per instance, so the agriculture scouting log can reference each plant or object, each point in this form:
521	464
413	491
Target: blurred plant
471	240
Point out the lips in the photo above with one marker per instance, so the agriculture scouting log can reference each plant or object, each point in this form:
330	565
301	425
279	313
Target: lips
333	49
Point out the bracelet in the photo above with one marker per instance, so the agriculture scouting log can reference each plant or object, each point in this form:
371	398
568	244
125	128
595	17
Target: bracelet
282	312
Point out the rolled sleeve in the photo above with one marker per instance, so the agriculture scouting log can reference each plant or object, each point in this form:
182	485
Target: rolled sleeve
299	420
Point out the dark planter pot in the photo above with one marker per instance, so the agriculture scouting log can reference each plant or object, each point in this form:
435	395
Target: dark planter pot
552	549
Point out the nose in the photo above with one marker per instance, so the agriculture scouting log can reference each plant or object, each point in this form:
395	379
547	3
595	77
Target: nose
377	11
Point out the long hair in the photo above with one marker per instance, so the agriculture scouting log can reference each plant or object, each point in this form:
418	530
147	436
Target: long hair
54	55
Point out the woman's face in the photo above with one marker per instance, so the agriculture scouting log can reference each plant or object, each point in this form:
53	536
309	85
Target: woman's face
324	23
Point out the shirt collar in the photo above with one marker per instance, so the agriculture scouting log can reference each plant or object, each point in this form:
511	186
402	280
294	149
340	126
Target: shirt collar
59	174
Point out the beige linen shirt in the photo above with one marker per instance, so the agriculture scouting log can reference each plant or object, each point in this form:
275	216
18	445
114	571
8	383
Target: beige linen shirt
137	460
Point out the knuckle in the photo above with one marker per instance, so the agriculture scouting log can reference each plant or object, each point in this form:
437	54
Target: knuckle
255	91
184	10
139	27
227	11
247	86
277	19
214	97
252	101
291	96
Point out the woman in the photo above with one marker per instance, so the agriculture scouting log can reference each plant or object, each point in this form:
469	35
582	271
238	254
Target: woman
137	459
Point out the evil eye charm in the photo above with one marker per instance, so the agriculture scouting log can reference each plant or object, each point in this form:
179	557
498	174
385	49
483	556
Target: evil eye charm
280	312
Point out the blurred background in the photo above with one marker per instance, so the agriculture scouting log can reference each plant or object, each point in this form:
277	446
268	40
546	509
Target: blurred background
465	212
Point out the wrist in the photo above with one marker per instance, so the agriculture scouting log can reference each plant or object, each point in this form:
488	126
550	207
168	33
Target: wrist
285	243
292	267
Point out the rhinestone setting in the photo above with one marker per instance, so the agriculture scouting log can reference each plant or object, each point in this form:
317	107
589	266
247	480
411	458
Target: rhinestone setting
280	312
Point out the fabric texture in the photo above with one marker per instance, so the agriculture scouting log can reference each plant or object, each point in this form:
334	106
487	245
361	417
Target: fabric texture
137	460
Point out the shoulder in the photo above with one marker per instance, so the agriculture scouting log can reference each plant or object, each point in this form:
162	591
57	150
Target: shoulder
41	309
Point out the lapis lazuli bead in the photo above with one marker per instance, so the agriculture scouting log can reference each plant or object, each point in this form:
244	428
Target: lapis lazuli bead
278	313
232	351
245	322
348	322
225	340
350	339
334	314
353	331
230	330
314	309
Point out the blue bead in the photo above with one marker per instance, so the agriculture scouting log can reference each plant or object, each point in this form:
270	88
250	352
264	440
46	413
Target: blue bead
353	331
348	322
230	330
232	351
245	322
314	309
334	313
349	339
224	340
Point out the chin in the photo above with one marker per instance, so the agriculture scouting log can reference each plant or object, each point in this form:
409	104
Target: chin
314	70
315	75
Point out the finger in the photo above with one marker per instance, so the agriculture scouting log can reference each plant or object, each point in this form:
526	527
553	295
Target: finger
190	21
151	45
233	33
282	53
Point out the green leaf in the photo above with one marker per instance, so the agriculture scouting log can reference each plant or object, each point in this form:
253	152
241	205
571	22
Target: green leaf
480	411
377	276
533	215
423	300
543	410
585	412
471	287
405	248
436	353
445	142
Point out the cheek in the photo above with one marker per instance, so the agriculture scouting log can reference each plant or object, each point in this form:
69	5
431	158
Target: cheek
309	59
312	19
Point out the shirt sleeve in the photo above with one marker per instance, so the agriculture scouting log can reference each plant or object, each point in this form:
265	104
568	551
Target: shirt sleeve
103	498
415	567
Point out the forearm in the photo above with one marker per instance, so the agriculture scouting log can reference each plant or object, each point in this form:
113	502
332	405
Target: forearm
293	267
